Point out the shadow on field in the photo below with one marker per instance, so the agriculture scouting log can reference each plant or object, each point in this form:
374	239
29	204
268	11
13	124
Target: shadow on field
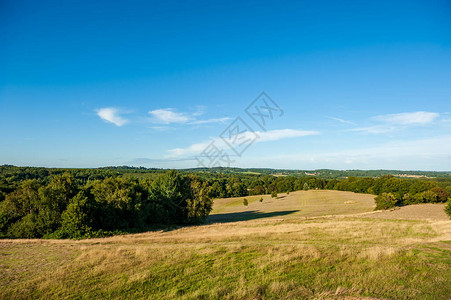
246	215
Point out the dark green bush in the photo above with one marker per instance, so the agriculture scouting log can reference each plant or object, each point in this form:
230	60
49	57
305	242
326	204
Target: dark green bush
441	194
25	228
386	201
75	220
448	208
425	197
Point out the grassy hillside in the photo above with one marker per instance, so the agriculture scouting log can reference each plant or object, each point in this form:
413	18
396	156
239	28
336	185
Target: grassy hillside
294	205
291	252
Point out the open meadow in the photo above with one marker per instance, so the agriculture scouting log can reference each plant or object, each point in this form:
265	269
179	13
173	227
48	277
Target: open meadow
236	150
294	205
308	244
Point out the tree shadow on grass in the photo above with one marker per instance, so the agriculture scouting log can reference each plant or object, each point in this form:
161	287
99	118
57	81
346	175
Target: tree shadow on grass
245	216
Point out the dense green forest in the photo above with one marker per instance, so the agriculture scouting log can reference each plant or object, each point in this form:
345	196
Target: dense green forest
78	203
88	203
323	173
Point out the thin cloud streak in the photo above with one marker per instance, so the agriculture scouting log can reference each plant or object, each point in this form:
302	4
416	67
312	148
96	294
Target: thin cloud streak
401	154
342	120
271	135
278	134
392	122
170	116
208	121
377	129
409	118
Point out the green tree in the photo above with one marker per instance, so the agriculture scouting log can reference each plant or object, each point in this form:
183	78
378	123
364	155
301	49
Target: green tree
245	203
305	187
170	191
441	193
258	190
199	203
25	199
407	199
76	221
420	186
448	208
118	203
385	201
56	195
216	190
25	228
17	205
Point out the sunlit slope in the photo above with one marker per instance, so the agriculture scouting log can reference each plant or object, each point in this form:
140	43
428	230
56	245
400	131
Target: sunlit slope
310	203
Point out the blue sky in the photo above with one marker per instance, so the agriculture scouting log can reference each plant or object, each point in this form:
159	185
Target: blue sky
362	84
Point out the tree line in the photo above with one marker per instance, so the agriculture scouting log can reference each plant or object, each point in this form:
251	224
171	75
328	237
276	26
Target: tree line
68	208
78	203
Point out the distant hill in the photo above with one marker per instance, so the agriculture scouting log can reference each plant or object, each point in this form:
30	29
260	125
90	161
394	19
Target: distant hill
322	173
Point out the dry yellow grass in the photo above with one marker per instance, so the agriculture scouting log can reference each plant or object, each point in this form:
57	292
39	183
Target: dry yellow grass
319	257
427	211
294	205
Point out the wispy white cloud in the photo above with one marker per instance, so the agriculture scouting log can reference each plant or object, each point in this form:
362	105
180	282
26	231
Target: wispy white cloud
193	149
375	129
342	120
409	118
278	134
391	122
170	116
271	135
406	154
208	121
112	115
160	128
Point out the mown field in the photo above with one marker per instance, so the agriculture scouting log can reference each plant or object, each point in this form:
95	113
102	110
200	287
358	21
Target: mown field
294	205
309	244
